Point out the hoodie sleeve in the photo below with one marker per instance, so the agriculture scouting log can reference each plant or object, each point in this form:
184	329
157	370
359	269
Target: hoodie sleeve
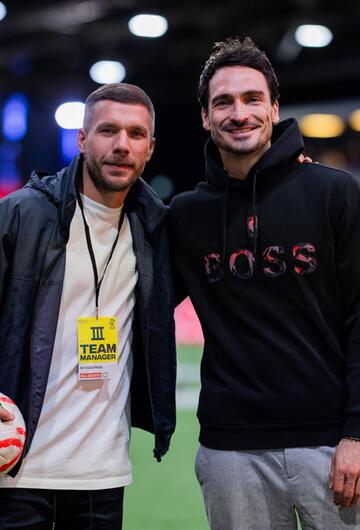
347	246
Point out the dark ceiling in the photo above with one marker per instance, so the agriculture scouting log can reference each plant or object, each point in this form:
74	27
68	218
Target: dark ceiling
61	39
47	47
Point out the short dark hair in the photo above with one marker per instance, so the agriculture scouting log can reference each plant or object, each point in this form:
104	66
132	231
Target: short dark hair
234	52
120	92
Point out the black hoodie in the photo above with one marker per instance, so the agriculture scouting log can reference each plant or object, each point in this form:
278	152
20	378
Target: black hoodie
272	266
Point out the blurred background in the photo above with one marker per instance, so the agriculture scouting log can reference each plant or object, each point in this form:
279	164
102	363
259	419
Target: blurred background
56	52
53	52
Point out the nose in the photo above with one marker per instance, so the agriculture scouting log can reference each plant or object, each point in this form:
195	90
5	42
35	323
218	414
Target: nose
121	142
240	111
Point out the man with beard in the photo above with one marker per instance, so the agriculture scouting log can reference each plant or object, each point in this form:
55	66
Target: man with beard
86	321
268	250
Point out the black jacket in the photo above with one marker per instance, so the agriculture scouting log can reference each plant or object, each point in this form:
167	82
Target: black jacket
34	230
278	299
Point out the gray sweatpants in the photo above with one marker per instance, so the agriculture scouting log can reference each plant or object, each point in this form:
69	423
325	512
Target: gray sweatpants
258	490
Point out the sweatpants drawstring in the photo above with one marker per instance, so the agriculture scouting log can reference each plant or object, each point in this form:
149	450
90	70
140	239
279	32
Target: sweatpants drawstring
54	512
91	510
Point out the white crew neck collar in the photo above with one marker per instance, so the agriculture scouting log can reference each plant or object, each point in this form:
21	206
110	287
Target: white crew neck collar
90	204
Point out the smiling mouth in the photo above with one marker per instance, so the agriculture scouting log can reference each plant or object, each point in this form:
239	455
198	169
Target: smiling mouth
240	130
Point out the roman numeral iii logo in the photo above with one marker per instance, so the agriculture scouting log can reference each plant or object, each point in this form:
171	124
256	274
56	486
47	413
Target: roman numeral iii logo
97	333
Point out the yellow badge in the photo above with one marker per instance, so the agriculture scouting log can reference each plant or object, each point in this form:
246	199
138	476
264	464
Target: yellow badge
97	347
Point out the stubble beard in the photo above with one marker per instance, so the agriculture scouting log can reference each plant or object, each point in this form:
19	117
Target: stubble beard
242	148
245	147
101	182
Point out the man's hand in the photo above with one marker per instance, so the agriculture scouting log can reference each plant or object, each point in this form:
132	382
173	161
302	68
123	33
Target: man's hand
345	473
303	158
5	415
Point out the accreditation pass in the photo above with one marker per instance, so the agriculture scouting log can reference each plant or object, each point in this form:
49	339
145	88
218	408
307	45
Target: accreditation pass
97	347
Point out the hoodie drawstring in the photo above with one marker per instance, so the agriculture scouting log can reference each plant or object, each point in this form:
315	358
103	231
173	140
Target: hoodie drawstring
256	224
225	223
225	229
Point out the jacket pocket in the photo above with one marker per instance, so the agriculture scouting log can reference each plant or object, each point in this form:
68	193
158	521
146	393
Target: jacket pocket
17	306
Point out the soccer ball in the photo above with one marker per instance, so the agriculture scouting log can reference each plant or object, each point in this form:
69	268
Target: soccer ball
12	436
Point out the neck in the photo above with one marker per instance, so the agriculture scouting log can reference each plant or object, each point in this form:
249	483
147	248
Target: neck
109	198
238	165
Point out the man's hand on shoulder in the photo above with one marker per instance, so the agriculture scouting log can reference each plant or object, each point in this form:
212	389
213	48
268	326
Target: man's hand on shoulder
5	415
304	159
345	473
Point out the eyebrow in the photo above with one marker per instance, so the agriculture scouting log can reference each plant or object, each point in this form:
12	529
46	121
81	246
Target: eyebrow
226	95
112	125
139	127
254	93
105	124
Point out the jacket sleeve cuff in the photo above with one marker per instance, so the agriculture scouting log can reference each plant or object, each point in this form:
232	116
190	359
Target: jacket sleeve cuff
162	443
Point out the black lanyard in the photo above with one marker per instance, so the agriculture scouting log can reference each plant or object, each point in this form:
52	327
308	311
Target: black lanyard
91	251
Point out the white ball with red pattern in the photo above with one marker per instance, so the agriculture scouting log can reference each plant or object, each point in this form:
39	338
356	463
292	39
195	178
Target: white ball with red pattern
12	436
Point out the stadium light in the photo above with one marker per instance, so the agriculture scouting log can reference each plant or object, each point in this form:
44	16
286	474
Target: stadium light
3	10
354	120
68	143
148	25
70	115
105	72
163	185
322	125
313	36
15	113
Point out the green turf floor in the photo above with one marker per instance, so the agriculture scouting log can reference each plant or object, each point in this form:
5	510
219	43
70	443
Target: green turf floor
165	495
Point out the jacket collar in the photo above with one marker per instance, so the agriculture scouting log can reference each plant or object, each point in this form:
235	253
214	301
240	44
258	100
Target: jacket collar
60	189
146	203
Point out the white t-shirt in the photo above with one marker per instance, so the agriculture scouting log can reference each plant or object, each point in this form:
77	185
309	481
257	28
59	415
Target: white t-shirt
83	434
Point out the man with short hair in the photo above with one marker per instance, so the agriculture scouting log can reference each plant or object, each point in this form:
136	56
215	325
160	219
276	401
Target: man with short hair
87	343
269	251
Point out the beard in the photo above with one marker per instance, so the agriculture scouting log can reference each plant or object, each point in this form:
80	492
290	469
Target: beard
246	146
103	183
239	148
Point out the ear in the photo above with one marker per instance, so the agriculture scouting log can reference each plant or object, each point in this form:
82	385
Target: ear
81	140
151	149
275	116
205	119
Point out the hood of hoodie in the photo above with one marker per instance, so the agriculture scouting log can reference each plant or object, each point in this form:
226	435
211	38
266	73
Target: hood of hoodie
272	167
286	145
60	189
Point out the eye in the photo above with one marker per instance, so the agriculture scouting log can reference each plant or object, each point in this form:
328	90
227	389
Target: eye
137	133
107	131
254	99
221	103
